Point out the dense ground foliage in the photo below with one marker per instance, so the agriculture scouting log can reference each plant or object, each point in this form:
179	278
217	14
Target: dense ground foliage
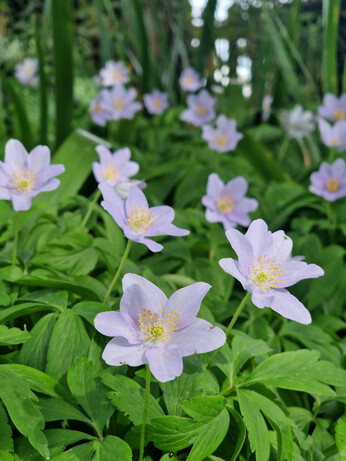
276	390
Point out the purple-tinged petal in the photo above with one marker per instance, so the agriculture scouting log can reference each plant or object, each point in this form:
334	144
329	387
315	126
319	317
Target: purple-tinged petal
282	246
4	193
299	270
104	154
215	185
39	158
117	324
50	185
136	198
116	210
242	246
288	306
262	300
120	352
153	246
21	202
198	337
135	300
165	362
213	216
236	188
15	154
231	266
260	238
187	302
157	296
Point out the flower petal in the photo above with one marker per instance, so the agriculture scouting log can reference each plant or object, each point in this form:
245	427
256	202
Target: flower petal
15	154
260	238
214	185
288	306
165	363
39	158
136	198
231	266
21	202
120	352
156	296
299	270
242	246
117	324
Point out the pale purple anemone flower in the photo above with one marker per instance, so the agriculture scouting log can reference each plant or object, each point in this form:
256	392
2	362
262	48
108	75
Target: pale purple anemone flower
226	203
329	181
114	73
120	102
190	80
26	72
137	220
23	175
333	136
156	102
266	106
200	109
151	328
99	115
333	108
114	168
265	268
224	137
298	122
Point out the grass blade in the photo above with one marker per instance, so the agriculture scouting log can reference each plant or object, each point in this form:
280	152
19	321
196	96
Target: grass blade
43	85
330	17
207	40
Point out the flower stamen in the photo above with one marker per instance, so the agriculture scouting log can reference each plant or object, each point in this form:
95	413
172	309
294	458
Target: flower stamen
23	180
110	172
266	273
140	219
225	204
157	327
332	184
339	114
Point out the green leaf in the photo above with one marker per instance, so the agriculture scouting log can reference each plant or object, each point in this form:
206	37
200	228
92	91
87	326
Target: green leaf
13	335
276	418
63	437
68	342
128	396
330	18
5	456
54	409
52	297
6	442
112	448
90	392
238	438
340	437
256	426
21	405
298	370
82	452
89	309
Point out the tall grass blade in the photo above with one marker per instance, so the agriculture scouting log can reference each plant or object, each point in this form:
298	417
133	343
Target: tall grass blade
104	35
331	13
63	66
143	45
293	28
207	40
43	85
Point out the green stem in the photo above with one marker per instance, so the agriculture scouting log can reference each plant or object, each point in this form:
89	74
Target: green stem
231	325
305	152
331	219
283	148
122	262
16	234
90	209
145	414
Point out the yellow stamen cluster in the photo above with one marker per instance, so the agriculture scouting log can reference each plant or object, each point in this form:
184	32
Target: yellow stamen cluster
157	103
332	184
187	81
140	219
119	104
110	172
157	327
23	180
225	204
116	75
340	114
334	142
97	109
220	140
201	110
266	272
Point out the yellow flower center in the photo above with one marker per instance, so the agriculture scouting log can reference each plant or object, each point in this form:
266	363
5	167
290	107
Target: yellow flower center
220	140
339	114
23	180
266	273
225	204
140	219
97	109
110	172
157	103
201	110
119	104
334	142
187	81
116	75
158	327
332	184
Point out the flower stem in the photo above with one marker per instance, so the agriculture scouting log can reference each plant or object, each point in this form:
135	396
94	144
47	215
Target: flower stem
305	153
283	148
16	234
122	262
331	219
145	414
231	325
90	209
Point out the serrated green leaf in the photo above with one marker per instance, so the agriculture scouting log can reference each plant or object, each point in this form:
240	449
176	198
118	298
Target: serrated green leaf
6	442
111	448
340	437
54	409
12	335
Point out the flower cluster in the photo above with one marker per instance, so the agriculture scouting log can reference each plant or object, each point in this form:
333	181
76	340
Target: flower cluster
333	109
156	102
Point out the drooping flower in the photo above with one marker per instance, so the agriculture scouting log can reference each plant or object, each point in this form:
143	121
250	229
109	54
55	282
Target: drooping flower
151	328
298	122
329	181
200	109
26	72
114	168
226	203
265	268
156	102
120	103
266	106
123	188
114	73
137	220
99	115
190	80
333	108
23	175
224	137
333	136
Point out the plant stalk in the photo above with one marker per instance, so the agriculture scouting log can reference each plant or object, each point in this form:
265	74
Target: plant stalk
91	207
145	413
118	272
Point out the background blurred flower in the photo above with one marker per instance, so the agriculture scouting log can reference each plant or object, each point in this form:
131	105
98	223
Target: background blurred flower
190	80
265	268
114	73
224	137
23	175
151	328
330	180
122	188
226	203
120	102
333	136
200	109
114	168
266	106
333	108
137	220
26	72
156	102
99	115
297	122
